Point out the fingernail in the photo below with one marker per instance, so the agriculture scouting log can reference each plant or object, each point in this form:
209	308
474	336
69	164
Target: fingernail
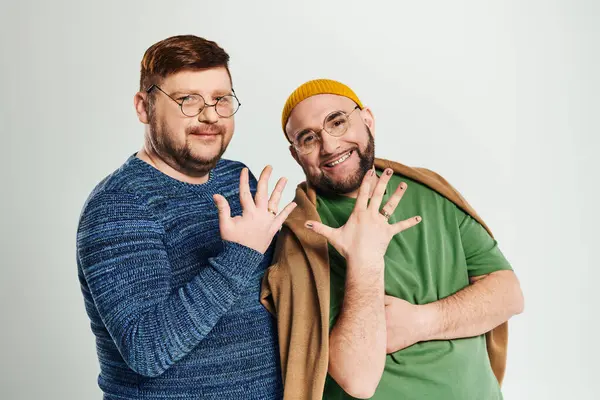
309	225
418	219
388	172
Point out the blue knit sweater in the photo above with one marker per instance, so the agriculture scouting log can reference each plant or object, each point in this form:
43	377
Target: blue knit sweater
174	308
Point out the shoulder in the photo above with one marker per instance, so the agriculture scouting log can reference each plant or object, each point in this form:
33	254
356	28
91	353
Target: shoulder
288	257
228	171
133	178
111	207
227	167
122	194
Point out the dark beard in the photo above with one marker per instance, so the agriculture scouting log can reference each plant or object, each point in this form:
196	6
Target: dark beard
179	157
325	185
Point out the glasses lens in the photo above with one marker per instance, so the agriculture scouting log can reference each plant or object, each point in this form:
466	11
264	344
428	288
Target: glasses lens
306	142
336	123
192	105
227	106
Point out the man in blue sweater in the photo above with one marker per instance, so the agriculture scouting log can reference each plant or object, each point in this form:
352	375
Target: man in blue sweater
170	281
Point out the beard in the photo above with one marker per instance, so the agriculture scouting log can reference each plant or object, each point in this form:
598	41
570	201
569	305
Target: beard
180	156
324	184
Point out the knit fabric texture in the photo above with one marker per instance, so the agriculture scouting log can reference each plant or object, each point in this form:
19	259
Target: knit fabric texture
174	309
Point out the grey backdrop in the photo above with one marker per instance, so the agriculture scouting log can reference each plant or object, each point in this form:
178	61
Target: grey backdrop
500	97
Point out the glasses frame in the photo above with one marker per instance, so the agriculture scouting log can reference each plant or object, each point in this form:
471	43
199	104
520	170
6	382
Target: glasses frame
206	105
318	134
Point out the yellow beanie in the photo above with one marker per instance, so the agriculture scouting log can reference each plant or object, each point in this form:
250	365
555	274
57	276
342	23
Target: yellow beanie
313	88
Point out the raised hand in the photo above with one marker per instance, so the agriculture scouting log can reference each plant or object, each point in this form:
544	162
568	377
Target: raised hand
367	233
260	220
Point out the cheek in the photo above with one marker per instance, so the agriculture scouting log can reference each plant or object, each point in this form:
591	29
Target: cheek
310	162
173	126
229	126
177	130
353	138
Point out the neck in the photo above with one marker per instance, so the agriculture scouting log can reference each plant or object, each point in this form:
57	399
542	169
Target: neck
150	157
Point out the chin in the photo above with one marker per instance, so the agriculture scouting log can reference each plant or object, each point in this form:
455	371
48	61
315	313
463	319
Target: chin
205	157
206	153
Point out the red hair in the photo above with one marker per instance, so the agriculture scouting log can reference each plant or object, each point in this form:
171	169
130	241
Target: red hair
177	53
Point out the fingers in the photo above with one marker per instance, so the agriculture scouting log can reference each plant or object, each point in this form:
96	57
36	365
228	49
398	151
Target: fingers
323	230
364	191
280	219
404	225
276	195
380	189
262	189
393	201
245	195
223	207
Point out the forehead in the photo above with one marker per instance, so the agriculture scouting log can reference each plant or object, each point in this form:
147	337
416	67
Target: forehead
309	113
199	81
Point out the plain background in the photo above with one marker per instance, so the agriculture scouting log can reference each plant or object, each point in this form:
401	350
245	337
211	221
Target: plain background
500	97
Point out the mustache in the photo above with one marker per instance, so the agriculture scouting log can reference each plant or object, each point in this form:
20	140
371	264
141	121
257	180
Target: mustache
332	157
205	130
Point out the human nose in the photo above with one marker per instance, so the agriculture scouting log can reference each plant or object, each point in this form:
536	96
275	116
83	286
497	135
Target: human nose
208	115
329	144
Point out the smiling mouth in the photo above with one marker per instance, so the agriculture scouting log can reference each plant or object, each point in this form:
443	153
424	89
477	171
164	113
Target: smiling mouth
340	160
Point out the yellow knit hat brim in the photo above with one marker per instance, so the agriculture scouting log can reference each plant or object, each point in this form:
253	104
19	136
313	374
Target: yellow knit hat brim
313	88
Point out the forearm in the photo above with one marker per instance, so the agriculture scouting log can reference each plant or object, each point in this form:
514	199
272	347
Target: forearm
358	340
476	309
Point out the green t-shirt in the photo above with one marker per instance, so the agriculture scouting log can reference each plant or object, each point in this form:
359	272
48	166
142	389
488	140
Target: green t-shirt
424	264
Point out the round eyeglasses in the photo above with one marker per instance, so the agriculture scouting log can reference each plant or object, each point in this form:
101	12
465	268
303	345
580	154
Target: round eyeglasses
193	104
335	124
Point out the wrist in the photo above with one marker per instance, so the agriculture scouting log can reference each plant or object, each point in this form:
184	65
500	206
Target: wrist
429	320
364	261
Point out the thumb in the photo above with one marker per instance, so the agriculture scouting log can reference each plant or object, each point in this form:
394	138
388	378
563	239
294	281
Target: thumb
223	207
326	231
387	300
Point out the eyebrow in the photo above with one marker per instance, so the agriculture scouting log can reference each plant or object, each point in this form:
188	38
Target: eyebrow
333	115
303	132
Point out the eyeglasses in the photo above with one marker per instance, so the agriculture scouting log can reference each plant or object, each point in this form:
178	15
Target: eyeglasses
193	104
335	124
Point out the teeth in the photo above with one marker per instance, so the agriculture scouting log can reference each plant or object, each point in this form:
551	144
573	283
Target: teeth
341	160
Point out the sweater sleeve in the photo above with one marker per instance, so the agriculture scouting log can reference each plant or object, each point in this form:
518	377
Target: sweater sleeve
125	264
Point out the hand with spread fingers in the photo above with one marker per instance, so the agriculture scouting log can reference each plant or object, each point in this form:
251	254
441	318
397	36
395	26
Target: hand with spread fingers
260	219
367	233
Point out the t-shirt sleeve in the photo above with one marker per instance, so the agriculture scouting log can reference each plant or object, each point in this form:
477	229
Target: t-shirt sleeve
481	250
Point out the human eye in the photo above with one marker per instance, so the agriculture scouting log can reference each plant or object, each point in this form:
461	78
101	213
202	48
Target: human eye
190	99
308	138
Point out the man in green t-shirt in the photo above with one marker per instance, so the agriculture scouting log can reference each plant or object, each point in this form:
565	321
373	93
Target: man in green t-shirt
415	280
